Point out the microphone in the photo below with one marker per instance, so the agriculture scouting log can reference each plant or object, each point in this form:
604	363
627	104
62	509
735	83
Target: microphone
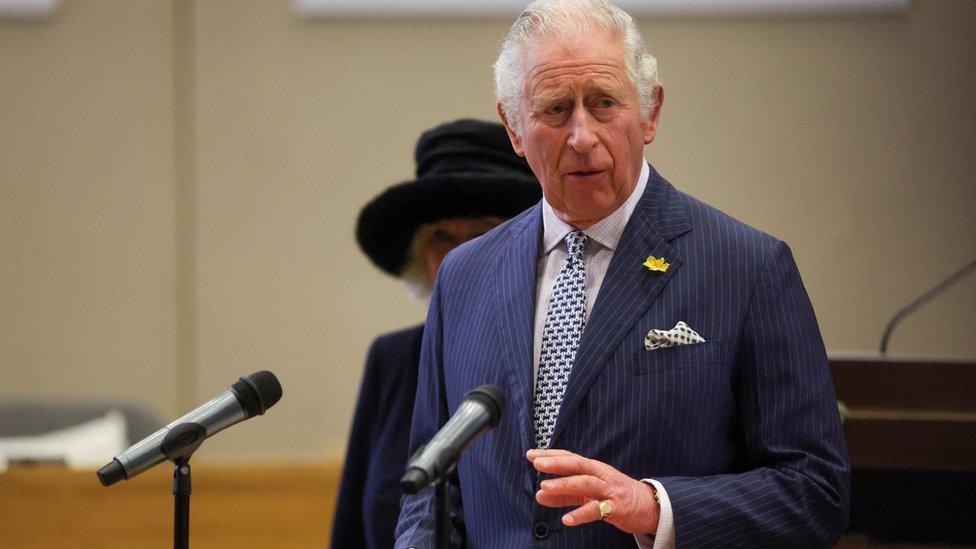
249	396
480	410
922	300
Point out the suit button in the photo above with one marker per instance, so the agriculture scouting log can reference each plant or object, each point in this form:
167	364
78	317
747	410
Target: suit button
541	530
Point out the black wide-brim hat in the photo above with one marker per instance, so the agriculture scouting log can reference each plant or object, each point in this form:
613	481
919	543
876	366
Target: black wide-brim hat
465	168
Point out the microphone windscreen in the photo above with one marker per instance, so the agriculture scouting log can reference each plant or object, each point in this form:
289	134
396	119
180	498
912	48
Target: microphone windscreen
257	392
492	397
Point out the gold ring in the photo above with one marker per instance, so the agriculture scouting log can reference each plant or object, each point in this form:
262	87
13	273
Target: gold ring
605	509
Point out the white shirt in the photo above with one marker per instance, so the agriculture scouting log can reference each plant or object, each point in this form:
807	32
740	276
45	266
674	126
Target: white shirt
602	240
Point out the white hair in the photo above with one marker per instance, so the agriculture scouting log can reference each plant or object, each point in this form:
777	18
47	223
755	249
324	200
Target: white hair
415	272
557	18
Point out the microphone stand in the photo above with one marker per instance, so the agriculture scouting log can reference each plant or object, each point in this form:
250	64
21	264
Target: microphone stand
178	445
922	299
440	514
442	509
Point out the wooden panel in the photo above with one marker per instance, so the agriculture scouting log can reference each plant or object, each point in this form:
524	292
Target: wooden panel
886	441
905	384
278	505
908	414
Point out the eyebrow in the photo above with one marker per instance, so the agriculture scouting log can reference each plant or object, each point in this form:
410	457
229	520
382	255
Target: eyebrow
549	97
602	87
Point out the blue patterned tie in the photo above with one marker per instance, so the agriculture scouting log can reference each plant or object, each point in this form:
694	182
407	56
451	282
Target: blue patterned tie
560	338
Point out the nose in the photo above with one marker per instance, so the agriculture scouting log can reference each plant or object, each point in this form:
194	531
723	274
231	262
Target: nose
582	133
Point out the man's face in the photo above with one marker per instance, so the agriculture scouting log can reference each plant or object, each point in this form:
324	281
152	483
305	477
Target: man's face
582	131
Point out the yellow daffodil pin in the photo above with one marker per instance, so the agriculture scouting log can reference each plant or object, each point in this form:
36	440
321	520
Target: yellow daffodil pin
656	264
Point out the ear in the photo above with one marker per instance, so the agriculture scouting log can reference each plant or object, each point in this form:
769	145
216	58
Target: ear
512	136
654	116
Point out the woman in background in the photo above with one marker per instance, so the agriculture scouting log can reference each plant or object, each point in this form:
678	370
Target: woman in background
468	180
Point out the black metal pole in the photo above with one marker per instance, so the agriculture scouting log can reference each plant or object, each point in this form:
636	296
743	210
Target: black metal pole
440	514
181	503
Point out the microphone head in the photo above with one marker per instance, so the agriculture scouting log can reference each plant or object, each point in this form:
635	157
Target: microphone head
257	392
493	398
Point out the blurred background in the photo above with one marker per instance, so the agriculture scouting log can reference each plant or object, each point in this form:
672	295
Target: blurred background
179	183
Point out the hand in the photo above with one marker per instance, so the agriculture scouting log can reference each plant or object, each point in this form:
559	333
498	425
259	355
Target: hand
585	483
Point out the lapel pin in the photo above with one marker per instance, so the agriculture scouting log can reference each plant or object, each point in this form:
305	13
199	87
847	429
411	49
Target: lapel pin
656	264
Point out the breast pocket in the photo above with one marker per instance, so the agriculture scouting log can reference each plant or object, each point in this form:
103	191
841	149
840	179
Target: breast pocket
677	358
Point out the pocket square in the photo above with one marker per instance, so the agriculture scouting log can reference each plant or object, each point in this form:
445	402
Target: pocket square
681	334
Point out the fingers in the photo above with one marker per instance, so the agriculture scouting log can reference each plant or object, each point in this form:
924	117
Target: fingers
562	462
541	452
587	486
567	491
559	500
583	483
587	510
584	514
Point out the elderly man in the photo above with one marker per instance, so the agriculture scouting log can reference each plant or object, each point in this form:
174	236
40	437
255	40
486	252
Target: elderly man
666	378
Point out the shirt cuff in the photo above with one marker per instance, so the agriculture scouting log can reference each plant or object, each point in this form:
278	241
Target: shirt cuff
664	538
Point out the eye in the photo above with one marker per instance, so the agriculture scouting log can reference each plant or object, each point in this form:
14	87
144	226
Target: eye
605	103
443	237
556	109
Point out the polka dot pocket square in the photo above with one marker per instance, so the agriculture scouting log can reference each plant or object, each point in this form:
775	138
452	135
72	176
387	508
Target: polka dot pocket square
681	334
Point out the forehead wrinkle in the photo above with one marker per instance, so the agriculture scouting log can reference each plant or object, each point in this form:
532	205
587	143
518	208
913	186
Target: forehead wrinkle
571	68
586	84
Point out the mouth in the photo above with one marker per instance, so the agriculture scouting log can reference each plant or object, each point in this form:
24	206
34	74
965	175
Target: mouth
585	175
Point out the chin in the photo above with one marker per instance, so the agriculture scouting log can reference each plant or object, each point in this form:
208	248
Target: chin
590	215
595	204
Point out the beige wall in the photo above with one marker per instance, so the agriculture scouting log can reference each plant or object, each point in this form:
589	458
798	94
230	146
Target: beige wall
87	212
179	213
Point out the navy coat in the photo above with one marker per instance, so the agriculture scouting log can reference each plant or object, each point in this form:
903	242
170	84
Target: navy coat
369	495
742	431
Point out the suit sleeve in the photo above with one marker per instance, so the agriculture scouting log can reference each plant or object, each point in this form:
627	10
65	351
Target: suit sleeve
415	527
794	481
348	527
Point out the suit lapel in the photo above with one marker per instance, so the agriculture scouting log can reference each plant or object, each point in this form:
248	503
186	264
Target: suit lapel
516	282
628	288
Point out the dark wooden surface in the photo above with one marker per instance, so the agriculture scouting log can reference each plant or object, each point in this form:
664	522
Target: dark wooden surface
908	413
911	435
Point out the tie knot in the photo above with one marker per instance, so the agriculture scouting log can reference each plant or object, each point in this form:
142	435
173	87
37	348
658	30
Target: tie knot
576	243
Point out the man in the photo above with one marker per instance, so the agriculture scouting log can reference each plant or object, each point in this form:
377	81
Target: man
666	379
468	181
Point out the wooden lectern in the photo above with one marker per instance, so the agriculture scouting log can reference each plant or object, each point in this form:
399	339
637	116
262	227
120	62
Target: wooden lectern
911	434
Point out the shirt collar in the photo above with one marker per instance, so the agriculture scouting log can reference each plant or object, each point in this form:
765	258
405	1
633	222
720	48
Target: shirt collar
606	232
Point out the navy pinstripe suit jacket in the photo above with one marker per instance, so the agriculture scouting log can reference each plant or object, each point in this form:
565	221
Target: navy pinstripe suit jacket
743	430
